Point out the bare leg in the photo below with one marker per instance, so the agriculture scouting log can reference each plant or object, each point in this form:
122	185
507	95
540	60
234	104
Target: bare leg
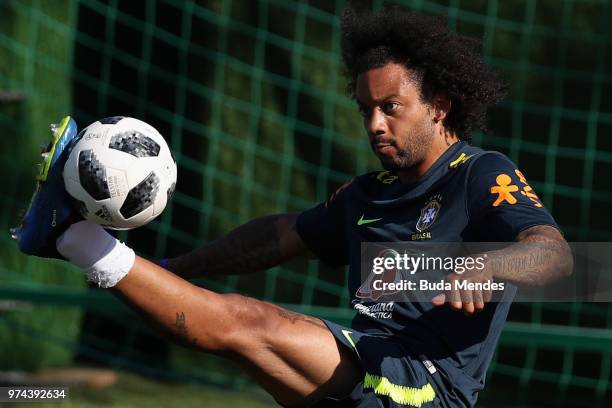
293	356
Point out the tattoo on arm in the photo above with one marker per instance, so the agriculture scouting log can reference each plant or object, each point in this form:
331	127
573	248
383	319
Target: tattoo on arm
540	256
182	333
295	317
254	246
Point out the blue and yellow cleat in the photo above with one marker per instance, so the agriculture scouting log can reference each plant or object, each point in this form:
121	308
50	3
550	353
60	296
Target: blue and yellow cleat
51	209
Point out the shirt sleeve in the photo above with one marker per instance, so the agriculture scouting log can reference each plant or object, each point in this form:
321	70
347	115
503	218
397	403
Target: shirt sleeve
500	201
322	229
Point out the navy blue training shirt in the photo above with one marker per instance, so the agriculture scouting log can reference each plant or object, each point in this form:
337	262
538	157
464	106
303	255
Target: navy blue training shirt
468	195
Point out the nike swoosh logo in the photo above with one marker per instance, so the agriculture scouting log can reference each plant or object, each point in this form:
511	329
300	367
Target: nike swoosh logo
363	221
347	334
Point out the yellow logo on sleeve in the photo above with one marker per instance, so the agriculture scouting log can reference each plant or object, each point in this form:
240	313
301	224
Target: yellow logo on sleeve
504	190
386	177
527	191
460	160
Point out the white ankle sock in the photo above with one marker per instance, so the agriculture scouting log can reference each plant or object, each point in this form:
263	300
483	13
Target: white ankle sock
103	258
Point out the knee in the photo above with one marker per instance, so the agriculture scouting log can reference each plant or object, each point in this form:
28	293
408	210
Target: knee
249	321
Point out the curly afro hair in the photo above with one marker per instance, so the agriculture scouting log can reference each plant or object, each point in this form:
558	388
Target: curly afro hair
441	60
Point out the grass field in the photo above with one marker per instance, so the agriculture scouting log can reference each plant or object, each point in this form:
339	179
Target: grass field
135	391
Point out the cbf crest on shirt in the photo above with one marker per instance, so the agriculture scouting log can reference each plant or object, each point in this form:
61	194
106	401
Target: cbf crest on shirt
429	213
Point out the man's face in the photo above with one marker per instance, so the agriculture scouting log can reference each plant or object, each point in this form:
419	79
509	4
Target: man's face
400	126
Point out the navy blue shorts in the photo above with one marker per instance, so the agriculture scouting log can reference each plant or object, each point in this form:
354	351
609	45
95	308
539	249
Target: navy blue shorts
394	377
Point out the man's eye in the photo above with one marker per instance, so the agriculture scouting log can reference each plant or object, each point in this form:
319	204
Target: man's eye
390	107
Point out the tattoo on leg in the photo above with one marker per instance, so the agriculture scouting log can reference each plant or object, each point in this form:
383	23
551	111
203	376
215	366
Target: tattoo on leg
294	317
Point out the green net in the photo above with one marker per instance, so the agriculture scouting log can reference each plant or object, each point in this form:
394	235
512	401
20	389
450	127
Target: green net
251	97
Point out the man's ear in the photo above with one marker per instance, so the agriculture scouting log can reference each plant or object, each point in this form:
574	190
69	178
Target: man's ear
441	106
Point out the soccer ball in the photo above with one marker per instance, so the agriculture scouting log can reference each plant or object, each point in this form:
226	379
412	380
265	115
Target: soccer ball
120	172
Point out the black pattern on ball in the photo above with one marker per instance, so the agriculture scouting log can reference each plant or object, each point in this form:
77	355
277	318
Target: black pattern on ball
105	215
92	175
111	120
134	143
140	197
82	208
170	192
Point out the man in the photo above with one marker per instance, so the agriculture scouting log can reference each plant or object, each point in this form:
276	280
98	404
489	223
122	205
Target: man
421	90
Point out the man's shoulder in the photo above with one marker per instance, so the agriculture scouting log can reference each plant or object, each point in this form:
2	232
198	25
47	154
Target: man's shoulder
473	158
376	178
489	160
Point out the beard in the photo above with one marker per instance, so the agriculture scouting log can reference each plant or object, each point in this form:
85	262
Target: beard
411	148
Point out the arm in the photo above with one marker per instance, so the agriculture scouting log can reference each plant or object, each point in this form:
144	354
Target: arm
503	207
255	246
540	256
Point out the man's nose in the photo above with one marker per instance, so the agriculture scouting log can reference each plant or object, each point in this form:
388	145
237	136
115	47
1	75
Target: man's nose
376	124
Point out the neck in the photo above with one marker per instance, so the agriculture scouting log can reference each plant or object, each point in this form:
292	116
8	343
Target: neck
437	149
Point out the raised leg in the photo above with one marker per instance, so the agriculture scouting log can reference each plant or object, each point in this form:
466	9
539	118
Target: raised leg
293	356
